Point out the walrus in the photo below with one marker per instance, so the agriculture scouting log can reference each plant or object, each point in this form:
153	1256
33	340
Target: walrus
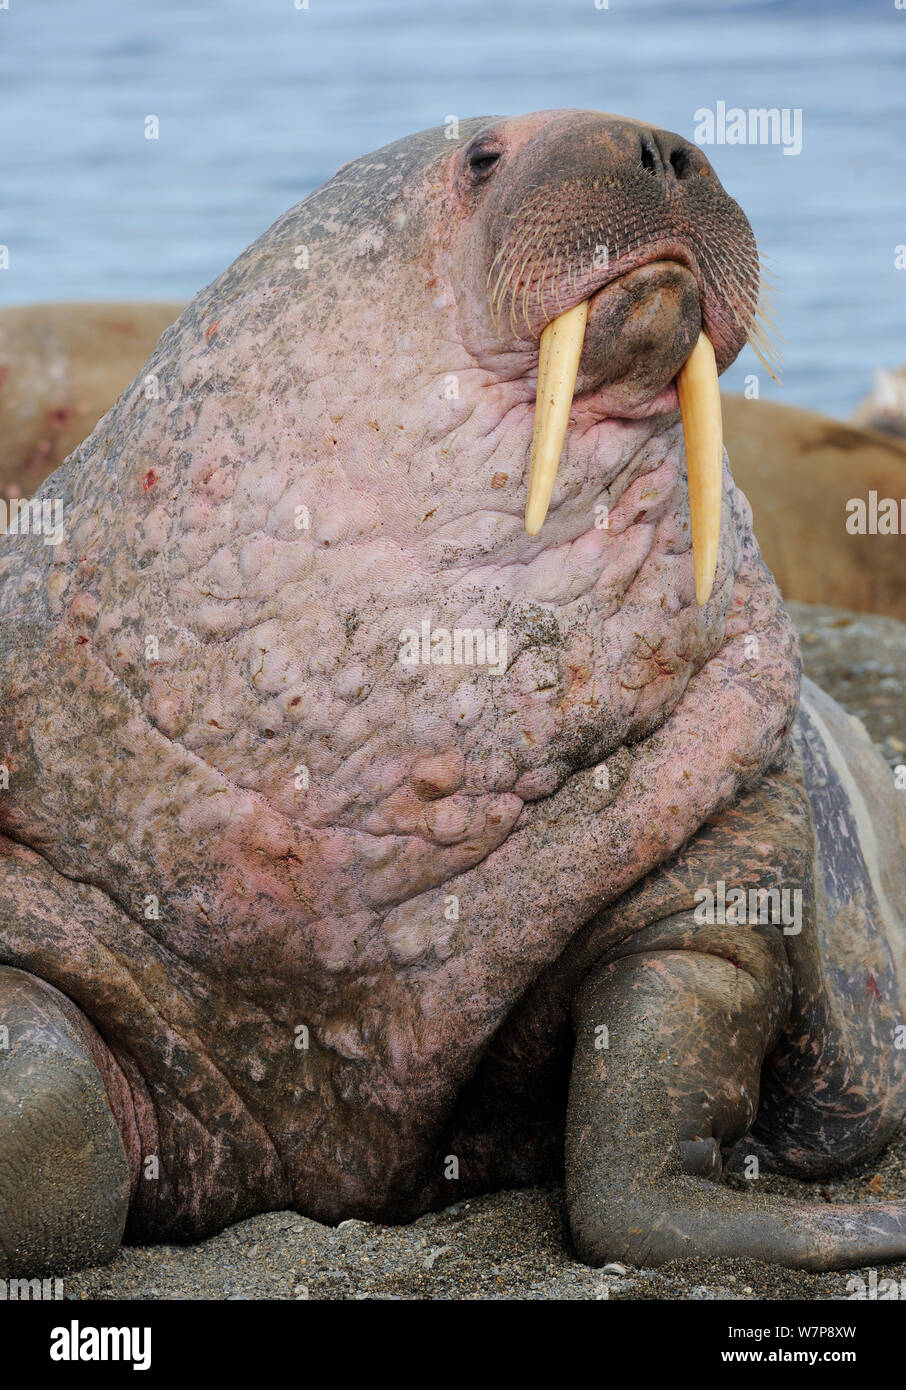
408	791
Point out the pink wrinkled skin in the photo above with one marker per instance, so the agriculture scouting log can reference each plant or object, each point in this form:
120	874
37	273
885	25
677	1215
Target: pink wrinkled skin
170	668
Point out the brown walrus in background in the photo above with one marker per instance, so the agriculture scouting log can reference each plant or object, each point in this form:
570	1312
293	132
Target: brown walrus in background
63	365
297	907
802	474
61	368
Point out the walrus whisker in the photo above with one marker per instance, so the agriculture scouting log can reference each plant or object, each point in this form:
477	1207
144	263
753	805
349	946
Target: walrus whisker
520	279
506	253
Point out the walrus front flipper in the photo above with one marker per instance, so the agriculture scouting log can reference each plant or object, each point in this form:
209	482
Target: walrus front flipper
833	1090
64	1178
673	1084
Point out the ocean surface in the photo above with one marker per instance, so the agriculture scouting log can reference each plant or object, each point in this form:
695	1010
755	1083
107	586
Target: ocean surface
259	101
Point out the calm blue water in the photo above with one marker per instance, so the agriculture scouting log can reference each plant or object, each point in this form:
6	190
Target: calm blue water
259	102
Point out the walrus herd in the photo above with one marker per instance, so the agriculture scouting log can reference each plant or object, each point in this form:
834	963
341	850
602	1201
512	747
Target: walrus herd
291	919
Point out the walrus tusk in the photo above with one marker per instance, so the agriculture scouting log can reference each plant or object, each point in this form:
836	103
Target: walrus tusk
558	363
699	398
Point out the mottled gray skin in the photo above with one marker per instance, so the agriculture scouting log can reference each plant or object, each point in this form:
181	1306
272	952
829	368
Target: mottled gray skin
324	921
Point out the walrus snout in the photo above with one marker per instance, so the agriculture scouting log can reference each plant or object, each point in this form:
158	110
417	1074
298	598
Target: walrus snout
640	330
564	203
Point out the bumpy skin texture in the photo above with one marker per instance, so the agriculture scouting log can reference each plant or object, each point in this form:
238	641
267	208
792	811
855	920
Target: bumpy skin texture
297	974
63	365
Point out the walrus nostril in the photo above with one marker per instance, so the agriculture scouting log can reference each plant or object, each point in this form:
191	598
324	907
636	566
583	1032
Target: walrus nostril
662	152
650	160
676	154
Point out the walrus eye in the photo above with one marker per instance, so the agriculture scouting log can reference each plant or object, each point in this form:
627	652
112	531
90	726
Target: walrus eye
483	162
